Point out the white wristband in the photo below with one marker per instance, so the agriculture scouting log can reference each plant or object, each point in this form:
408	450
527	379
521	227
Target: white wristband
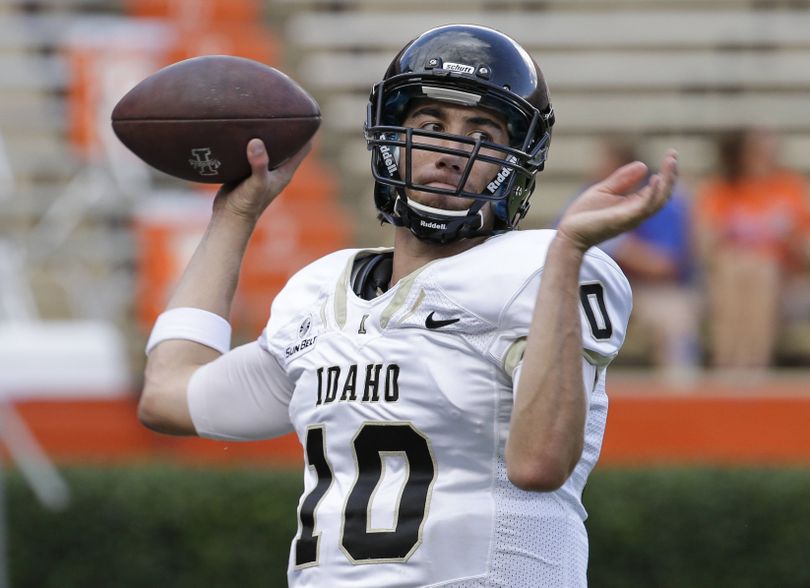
191	324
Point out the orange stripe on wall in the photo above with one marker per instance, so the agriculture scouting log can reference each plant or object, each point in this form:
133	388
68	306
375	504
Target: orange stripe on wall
714	429
109	431
647	424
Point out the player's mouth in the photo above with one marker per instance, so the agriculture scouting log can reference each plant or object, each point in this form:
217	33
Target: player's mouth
440	181
442	186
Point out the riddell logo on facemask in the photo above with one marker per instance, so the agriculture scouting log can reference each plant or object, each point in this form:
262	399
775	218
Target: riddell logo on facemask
429	225
502	176
388	159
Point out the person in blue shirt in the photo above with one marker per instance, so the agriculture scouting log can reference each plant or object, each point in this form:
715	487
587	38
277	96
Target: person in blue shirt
657	258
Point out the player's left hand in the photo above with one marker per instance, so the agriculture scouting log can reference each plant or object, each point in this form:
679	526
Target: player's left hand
609	208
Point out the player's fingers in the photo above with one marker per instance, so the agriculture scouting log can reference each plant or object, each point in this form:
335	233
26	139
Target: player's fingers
670	167
659	189
257	157
654	195
293	162
280	177
664	180
625	178
667	176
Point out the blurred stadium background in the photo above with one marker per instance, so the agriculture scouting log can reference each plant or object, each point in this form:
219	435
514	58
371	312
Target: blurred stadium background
703	482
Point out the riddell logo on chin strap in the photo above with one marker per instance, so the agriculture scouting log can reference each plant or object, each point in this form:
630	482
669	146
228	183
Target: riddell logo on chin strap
430	225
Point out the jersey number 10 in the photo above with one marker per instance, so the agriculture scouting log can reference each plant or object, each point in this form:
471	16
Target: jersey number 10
360	544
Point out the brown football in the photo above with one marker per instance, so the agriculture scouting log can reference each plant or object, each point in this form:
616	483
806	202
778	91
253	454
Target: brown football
193	119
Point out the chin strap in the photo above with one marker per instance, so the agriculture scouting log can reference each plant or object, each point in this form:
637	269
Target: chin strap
438	225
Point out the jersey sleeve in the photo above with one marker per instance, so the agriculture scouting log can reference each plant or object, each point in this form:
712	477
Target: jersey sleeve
245	394
303	292
242	395
605	301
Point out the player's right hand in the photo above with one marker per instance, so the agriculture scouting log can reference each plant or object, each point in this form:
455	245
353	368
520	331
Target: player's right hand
250	197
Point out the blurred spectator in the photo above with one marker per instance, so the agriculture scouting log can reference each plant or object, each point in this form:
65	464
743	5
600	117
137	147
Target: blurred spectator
752	223
656	256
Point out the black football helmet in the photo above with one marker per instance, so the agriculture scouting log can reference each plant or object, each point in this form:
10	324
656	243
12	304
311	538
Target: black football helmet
472	66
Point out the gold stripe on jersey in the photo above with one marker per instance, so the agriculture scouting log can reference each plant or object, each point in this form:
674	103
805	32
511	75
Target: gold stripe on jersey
414	306
594	358
513	355
341	293
403	289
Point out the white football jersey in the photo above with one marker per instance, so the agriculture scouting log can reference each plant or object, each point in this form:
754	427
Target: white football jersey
402	404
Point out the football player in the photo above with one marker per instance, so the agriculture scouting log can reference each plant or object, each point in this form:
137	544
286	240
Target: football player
449	392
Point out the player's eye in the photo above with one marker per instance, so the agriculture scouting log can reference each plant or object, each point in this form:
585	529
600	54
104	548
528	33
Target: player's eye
432	126
483	135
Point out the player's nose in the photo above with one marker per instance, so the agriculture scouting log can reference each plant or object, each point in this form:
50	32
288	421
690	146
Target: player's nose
454	157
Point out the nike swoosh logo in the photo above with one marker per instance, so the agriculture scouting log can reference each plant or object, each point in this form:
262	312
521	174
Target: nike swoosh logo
432	323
